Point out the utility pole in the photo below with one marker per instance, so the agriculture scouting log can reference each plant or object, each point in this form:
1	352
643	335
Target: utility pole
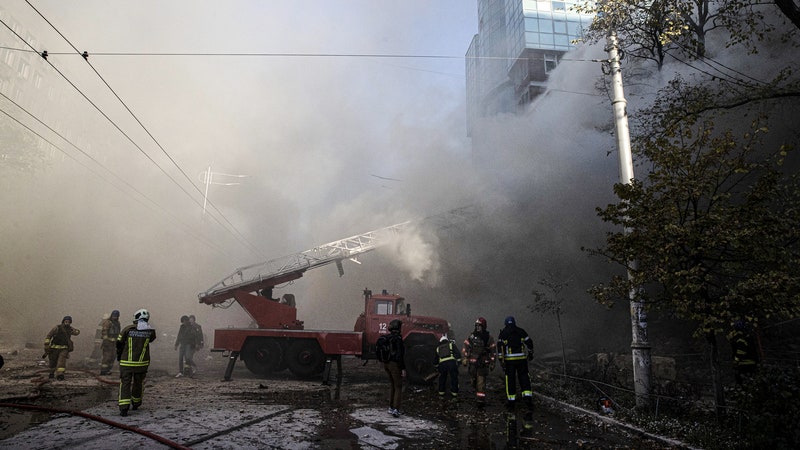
640	347
207	178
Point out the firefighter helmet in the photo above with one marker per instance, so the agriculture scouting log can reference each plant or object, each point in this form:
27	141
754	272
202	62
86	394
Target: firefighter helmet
482	322
395	325
510	321
443	338
141	314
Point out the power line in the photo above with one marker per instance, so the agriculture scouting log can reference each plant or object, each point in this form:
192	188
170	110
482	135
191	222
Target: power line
238	235
98	174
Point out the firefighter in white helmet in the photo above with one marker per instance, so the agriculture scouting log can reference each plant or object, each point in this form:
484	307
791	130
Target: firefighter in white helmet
133	354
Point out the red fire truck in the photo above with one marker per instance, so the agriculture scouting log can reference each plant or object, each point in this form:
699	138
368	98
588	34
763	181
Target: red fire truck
281	340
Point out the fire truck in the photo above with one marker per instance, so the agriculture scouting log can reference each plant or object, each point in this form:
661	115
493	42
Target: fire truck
281	341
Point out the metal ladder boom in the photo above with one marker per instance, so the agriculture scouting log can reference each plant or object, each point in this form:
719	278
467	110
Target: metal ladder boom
291	267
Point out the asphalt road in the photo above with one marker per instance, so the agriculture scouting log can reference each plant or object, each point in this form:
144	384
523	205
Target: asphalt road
205	412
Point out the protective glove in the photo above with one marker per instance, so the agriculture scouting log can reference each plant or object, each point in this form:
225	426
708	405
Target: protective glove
464	361
530	355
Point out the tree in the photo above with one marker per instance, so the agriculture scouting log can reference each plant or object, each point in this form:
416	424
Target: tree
543	303
654	29
713	225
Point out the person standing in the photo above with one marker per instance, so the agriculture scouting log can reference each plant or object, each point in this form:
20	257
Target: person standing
447	358
185	344
512	344
133	354
395	366
109	334
479	356
199	341
199	338
745	351
58	345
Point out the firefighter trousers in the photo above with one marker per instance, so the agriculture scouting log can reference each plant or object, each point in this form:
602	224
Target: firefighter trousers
517	370
131	385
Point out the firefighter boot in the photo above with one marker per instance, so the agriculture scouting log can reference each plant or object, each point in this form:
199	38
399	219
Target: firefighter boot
136	405
123	411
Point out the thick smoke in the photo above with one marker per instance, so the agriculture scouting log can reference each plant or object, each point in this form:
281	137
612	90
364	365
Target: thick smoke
332	147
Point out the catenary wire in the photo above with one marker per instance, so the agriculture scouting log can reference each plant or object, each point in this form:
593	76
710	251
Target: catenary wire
199	238
237	234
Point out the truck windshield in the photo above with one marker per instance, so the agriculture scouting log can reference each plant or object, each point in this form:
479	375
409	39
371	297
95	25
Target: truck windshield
384	307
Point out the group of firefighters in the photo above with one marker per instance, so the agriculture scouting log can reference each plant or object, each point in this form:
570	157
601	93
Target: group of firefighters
130	346
513	349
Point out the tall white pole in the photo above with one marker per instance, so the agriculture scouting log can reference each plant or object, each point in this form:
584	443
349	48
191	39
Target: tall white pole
205	195
640	347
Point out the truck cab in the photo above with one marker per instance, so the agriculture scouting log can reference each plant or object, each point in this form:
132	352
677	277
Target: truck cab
421	334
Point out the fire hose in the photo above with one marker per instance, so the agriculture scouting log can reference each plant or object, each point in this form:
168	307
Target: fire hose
137	430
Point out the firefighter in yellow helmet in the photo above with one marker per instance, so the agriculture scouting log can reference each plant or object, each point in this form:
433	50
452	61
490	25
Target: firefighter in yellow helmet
133	354
57	346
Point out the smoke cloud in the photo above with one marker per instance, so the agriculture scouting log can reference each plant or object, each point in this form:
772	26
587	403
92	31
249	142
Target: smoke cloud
332	146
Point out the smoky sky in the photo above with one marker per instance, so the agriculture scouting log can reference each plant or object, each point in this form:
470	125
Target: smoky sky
332	143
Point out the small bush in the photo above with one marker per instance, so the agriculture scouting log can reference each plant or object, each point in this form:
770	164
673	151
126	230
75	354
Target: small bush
768	409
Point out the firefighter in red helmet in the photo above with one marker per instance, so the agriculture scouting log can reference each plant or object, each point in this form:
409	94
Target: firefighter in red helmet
478	353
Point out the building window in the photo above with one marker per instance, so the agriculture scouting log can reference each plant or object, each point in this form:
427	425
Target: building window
24	70
9	58
550	62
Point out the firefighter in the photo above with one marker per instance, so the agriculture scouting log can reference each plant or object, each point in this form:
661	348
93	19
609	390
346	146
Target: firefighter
395	366
511	350
479	356
109	333
58	345
745	351
133	354
446	362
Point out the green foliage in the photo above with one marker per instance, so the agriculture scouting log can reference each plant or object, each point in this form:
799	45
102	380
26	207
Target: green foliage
713	227
652	30
768	409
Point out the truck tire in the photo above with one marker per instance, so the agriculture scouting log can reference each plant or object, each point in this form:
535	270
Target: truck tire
305	358
262	356
419	363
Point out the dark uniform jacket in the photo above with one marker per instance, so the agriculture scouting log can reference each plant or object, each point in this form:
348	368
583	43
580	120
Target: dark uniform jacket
133	345
512	343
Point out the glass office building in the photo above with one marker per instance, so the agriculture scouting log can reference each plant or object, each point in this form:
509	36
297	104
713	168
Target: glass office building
518	43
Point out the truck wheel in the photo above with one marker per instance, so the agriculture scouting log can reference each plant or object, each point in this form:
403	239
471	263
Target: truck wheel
262	356
305	358
419	363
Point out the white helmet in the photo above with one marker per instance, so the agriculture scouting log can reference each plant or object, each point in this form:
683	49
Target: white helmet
141	314
443	338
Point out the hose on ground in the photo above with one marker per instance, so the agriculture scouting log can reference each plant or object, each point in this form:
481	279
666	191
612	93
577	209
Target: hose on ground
122	426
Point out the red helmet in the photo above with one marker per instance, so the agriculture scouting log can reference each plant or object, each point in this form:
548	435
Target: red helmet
482	322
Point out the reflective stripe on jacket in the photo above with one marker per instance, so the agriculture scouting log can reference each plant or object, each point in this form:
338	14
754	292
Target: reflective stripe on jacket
512	343
133	346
